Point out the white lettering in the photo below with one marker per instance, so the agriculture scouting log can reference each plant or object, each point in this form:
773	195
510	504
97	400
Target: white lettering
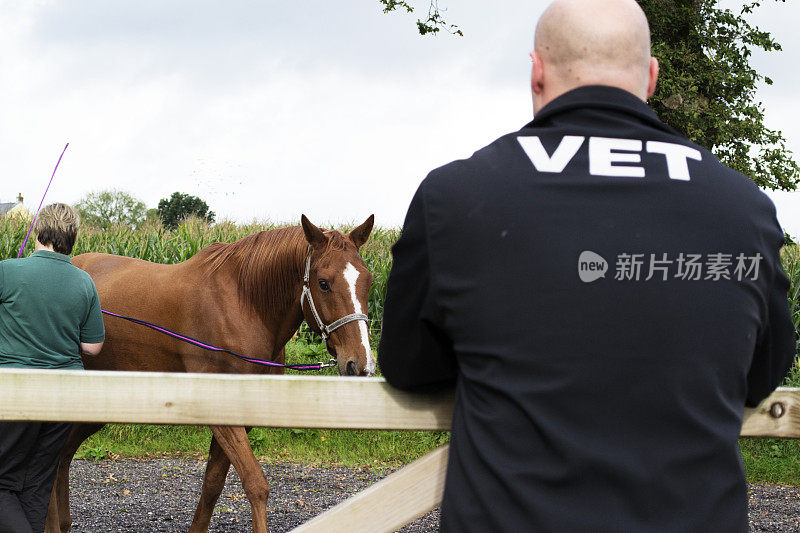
605	154
602	156
676	155
542	162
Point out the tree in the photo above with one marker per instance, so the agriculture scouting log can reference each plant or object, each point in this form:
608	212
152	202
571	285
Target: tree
179	206
103	209
707	88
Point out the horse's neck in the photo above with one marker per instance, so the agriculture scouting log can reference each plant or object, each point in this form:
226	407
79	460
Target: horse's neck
288	326
282	314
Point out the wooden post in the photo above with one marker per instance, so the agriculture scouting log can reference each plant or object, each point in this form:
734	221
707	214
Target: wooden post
390	503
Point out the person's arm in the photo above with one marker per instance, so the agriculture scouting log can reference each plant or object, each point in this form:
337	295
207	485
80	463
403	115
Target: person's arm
776	346
414	353
92	330
91	348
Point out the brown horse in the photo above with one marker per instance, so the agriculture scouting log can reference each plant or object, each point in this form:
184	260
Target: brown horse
244	296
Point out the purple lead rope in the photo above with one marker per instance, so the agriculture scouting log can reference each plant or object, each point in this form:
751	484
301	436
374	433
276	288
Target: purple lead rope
40	203
200	344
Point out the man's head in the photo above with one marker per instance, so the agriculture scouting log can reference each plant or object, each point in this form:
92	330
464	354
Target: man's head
57	227
592	42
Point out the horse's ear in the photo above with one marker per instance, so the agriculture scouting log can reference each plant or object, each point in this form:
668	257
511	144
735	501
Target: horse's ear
360	235
314	235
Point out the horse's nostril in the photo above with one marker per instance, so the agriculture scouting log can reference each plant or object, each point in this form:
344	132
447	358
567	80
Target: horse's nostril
351	368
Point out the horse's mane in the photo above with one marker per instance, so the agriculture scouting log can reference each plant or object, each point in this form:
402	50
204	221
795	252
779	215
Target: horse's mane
267	265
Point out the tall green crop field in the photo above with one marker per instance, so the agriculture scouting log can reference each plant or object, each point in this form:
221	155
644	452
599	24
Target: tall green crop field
153	242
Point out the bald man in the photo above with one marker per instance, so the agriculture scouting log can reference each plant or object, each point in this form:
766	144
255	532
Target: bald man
605	296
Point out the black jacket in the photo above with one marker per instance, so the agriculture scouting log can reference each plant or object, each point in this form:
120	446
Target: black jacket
606	297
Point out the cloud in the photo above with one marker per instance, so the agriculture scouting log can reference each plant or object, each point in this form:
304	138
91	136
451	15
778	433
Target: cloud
265	112
263	109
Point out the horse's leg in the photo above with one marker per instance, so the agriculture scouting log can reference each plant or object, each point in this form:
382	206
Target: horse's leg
51	521
213	482
59	519
233	441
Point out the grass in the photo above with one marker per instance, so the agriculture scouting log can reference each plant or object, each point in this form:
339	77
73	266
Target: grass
771	460
766	460
374	449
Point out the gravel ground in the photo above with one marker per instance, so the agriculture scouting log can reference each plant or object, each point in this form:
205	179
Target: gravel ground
159	495
774	508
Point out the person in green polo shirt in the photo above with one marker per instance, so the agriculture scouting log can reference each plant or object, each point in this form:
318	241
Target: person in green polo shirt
49	316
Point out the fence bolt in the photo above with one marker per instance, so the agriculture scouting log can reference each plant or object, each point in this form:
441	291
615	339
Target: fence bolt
777	410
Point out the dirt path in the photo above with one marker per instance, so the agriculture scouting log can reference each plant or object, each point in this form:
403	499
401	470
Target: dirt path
159	495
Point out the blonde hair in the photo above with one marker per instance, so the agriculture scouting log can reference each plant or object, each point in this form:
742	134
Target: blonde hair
57	226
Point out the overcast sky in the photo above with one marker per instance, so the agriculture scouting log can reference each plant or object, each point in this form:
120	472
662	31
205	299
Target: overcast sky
268	110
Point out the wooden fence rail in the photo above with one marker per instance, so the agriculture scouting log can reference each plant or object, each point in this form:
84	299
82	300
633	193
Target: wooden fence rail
292	401
218	399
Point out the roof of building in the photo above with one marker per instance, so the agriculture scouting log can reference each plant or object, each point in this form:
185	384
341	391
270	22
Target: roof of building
19	210
6	207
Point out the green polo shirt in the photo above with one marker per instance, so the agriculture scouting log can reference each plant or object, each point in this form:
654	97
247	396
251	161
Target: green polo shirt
47	308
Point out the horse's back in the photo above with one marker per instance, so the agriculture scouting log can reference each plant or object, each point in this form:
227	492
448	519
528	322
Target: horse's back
99	265
118	277
179	297
140	289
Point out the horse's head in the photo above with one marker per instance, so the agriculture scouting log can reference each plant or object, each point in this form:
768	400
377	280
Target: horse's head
339	283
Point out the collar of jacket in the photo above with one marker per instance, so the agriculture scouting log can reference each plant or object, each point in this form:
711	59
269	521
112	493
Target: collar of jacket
600	97
51	255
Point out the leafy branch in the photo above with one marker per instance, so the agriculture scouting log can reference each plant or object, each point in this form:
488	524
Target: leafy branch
432	25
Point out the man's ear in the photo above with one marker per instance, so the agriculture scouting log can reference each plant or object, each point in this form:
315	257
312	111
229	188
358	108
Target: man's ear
360	235
652	77
537	73
314	235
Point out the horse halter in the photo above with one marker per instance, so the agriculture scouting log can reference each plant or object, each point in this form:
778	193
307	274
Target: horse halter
333	326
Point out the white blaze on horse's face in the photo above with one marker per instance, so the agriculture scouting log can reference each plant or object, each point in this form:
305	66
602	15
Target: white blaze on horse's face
351	274
340	282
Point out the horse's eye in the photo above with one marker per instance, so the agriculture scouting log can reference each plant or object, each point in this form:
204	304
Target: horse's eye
324	285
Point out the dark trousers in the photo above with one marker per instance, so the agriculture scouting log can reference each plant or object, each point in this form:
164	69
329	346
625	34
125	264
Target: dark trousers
29	453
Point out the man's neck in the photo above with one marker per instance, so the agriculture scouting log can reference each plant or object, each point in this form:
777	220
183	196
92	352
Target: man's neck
548	97
40	246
